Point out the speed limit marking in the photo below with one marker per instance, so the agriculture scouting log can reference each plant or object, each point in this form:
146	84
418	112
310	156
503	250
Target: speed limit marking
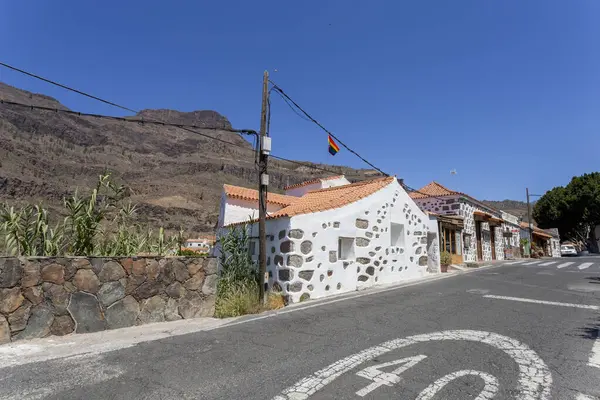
535	379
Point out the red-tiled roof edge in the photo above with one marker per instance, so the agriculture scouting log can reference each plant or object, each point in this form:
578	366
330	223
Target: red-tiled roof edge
390	178
255	198
310	182
359	183
452	193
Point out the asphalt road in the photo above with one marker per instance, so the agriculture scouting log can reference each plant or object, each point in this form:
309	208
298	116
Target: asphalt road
521	331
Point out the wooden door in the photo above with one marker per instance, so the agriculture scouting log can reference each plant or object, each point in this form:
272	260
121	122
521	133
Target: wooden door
478	237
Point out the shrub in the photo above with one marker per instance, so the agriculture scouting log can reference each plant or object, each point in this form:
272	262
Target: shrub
190	253
96	224
237	290
275	301
445	258
237	299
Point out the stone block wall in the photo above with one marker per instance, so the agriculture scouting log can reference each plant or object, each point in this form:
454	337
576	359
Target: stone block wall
43	296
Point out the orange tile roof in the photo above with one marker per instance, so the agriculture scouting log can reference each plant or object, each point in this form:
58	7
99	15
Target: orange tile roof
542	234
317	180
242	193
334	197
329	198
433	189
536	231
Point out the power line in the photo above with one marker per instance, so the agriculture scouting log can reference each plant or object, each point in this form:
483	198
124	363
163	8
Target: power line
166	124
305	164
291	106
67	87
140	121
125	119
279	90
184	127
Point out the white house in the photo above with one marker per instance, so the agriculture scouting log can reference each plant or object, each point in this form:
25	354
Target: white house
202	244
339	238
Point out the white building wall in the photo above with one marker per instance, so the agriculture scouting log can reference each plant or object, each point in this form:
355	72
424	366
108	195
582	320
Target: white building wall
555	247
499	242
303	257
322	184
237	210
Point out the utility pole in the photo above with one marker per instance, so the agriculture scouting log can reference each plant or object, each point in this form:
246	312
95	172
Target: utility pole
264	147
529	221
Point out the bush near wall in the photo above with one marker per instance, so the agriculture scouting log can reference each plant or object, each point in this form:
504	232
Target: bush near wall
41	296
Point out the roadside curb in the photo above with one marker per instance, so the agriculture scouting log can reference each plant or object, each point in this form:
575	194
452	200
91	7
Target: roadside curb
95	344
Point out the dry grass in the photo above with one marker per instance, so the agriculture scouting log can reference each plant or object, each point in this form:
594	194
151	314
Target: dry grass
243	299
275	301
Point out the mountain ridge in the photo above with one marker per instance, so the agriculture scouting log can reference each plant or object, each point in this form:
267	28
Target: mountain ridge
175	176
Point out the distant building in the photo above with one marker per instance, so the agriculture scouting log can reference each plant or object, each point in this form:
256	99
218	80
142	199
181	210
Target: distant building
203	244
547	240
480	237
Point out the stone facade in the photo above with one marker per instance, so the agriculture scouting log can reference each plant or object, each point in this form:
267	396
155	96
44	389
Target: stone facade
42	296
461	206
379	239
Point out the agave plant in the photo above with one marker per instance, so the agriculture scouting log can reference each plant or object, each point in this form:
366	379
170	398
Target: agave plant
85	214
27	232
236	262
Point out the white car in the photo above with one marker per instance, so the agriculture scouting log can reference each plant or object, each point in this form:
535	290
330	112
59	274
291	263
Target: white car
568	250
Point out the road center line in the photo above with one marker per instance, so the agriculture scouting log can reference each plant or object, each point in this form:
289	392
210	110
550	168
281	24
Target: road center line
531	262
548	263
515	262
550	303
585	265
563	265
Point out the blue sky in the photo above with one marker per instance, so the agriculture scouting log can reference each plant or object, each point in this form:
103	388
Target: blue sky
506	92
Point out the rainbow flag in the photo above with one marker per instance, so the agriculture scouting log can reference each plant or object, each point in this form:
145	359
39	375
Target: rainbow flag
333	147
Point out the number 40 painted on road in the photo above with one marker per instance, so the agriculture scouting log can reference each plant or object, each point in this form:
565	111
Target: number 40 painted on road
381	378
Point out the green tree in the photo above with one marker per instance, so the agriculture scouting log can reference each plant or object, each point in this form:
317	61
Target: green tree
573	209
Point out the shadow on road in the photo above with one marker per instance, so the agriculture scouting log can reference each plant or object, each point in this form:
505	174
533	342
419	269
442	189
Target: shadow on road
593	279
592	328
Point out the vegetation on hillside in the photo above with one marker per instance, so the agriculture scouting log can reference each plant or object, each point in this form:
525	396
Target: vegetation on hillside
574	209
99	223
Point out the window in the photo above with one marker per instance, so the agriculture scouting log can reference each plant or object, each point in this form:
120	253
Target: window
252	245
345	248
396	235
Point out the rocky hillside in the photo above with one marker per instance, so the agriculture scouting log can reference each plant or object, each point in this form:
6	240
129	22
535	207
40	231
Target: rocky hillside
515	207
175	176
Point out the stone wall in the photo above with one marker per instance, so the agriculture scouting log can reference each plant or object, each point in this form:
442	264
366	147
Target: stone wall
44	296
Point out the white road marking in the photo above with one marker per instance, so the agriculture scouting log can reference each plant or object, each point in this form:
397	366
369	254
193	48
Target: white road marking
594	360
489	390
584	265
548	263
550	303
515	262
531	262
581	396
92	344
535	379
563	265
381	378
